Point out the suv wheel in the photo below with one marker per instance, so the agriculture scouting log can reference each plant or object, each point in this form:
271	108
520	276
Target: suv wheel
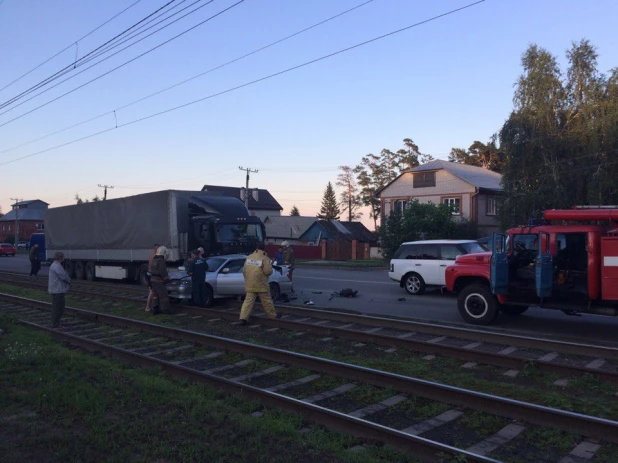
414	284
477	305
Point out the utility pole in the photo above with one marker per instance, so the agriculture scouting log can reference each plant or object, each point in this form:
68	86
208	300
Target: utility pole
248	170
105	191
17	200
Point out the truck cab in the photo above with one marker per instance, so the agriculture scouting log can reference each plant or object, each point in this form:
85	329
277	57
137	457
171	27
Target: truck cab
568	267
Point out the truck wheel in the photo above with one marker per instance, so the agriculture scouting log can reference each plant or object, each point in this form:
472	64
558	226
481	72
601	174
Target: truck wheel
90	271
141	275
80	270
208	297
275	291
69	267
513	310
477	305
414	284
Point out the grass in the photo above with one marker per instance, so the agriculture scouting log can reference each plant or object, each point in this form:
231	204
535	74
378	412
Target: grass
60	404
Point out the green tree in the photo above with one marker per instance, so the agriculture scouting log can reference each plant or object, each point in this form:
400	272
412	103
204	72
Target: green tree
370	176
294	212
485	155
561	140
330	208
350	197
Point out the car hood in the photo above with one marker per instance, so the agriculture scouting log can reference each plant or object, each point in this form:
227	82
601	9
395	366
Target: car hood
476	258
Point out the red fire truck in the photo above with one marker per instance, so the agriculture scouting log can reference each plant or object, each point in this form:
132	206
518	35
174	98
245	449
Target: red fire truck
569	265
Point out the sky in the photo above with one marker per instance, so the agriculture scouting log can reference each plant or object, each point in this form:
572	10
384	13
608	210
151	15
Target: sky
444	84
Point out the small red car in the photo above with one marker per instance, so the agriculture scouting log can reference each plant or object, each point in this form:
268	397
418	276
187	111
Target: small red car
7	249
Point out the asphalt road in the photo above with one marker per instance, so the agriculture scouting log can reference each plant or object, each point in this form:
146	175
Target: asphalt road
377	294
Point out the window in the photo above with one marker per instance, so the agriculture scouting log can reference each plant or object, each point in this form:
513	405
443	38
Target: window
400	205
430	251
408	251
450	251
424	179
235	265
40	226
454	204
491	205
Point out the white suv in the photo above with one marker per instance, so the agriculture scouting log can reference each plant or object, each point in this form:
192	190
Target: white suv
418	264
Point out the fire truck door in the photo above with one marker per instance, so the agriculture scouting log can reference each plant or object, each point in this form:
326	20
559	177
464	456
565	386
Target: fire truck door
543	267
499	265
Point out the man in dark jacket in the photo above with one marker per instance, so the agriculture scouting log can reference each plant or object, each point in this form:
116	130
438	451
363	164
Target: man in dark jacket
159	278
197	269
35	263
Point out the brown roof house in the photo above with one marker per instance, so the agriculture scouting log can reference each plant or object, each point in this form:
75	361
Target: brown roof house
26	218
286	228
471	191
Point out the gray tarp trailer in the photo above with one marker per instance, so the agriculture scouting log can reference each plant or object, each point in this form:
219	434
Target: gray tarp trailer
114	238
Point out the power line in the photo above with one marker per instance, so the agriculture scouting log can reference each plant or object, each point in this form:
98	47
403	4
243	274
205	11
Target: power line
61	73
124	64
192	78
69	46
229	90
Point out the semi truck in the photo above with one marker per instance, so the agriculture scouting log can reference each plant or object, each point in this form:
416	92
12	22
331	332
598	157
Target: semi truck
114	238
568	263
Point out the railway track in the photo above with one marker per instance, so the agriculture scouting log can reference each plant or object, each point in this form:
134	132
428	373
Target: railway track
514	353
182	353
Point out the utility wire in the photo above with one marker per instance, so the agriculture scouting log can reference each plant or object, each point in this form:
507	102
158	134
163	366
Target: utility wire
123	64
72	44
75	64
330	55
191	78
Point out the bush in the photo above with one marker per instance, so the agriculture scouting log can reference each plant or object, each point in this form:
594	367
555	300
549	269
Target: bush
423	221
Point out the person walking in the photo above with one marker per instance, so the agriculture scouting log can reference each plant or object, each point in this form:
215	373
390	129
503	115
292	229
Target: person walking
288	259
256	271
148	274
35	263
197	271
159	278
58	285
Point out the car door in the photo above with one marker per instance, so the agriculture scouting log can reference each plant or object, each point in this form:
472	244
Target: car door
448	254
230	280
429	265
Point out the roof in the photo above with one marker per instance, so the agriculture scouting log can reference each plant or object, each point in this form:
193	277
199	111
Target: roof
290	227
265	199
476	176
346	231
29	201
24	214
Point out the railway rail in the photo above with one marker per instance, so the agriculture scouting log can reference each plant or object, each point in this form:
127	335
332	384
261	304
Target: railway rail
512	352
177	352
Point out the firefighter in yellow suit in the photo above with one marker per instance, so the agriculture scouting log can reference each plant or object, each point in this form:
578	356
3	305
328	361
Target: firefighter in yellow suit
256	272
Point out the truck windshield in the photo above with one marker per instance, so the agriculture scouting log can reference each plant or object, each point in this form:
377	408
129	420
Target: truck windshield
246	232
472	248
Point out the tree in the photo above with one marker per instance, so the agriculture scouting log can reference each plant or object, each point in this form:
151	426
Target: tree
294	212
370	176
560	142
479	154
350	198
79	200
330	208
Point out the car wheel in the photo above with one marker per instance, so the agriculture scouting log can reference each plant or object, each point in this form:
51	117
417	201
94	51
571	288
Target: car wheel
414	284
142	276
477	305
80	270
275	291
208	297
513	310
90	271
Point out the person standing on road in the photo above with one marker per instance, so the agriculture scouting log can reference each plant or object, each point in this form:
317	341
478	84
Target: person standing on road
148	274
197	271
35	263
58	285
288	259
256	271
159	278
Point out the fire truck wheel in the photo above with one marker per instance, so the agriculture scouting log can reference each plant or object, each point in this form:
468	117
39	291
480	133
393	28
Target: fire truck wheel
477	305
513	310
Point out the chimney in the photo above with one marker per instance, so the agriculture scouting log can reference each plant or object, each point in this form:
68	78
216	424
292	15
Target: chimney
255	193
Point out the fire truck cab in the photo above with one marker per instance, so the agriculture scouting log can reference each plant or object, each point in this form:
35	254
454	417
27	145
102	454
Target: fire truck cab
569	267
